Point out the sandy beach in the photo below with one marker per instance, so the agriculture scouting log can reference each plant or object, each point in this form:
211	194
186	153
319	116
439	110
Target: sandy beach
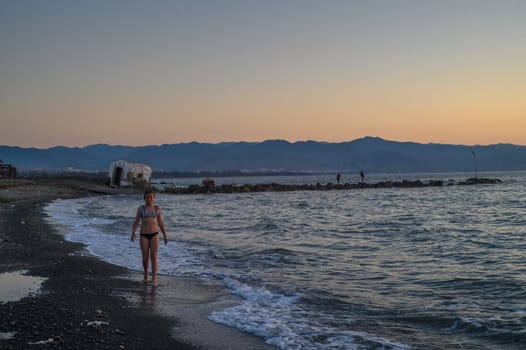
84	302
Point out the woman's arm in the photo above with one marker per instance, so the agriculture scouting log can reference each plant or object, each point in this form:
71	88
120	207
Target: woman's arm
161	225
136	224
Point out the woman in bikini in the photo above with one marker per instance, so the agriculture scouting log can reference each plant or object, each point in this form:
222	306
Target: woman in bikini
151	219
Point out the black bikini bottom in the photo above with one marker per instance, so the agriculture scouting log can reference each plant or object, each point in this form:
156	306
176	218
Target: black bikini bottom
149	236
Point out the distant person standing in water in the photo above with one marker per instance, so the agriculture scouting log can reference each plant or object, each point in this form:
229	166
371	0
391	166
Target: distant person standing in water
362	175
151	218
338	177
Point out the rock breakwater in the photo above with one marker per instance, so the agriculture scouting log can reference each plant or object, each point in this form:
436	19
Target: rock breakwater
210	187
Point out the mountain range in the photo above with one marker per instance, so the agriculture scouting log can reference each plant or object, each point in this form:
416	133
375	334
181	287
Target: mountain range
371	154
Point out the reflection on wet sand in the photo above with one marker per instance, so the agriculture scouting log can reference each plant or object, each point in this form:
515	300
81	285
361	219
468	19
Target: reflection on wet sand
17	285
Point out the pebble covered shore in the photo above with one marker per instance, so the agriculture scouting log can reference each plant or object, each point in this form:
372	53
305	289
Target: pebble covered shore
76	307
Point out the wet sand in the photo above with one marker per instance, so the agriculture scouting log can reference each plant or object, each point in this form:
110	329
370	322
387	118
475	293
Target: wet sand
85	303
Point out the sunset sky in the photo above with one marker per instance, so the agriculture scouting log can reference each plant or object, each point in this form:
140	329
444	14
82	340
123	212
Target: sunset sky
131	72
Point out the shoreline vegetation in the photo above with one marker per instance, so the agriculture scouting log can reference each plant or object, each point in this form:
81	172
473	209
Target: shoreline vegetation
103	174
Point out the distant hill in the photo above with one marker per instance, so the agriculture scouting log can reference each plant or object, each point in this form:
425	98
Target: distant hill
371	154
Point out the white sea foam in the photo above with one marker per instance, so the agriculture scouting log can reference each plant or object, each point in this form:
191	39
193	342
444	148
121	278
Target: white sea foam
96	323
42	342
287	324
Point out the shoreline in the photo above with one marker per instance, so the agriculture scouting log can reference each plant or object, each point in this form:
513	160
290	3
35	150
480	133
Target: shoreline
88	303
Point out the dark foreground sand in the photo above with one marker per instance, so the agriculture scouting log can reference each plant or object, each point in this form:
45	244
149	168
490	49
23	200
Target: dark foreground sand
86	303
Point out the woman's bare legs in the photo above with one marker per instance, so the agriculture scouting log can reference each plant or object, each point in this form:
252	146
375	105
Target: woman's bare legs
154	247
145	250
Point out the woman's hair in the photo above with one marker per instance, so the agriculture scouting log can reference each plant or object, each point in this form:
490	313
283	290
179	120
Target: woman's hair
148	192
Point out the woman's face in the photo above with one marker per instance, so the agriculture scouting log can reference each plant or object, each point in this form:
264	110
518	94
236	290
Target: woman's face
148	198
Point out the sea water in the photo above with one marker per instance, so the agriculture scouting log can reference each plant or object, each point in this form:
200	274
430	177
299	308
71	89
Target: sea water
392	268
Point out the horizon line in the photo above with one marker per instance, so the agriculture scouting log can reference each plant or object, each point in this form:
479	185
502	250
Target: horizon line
263	141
